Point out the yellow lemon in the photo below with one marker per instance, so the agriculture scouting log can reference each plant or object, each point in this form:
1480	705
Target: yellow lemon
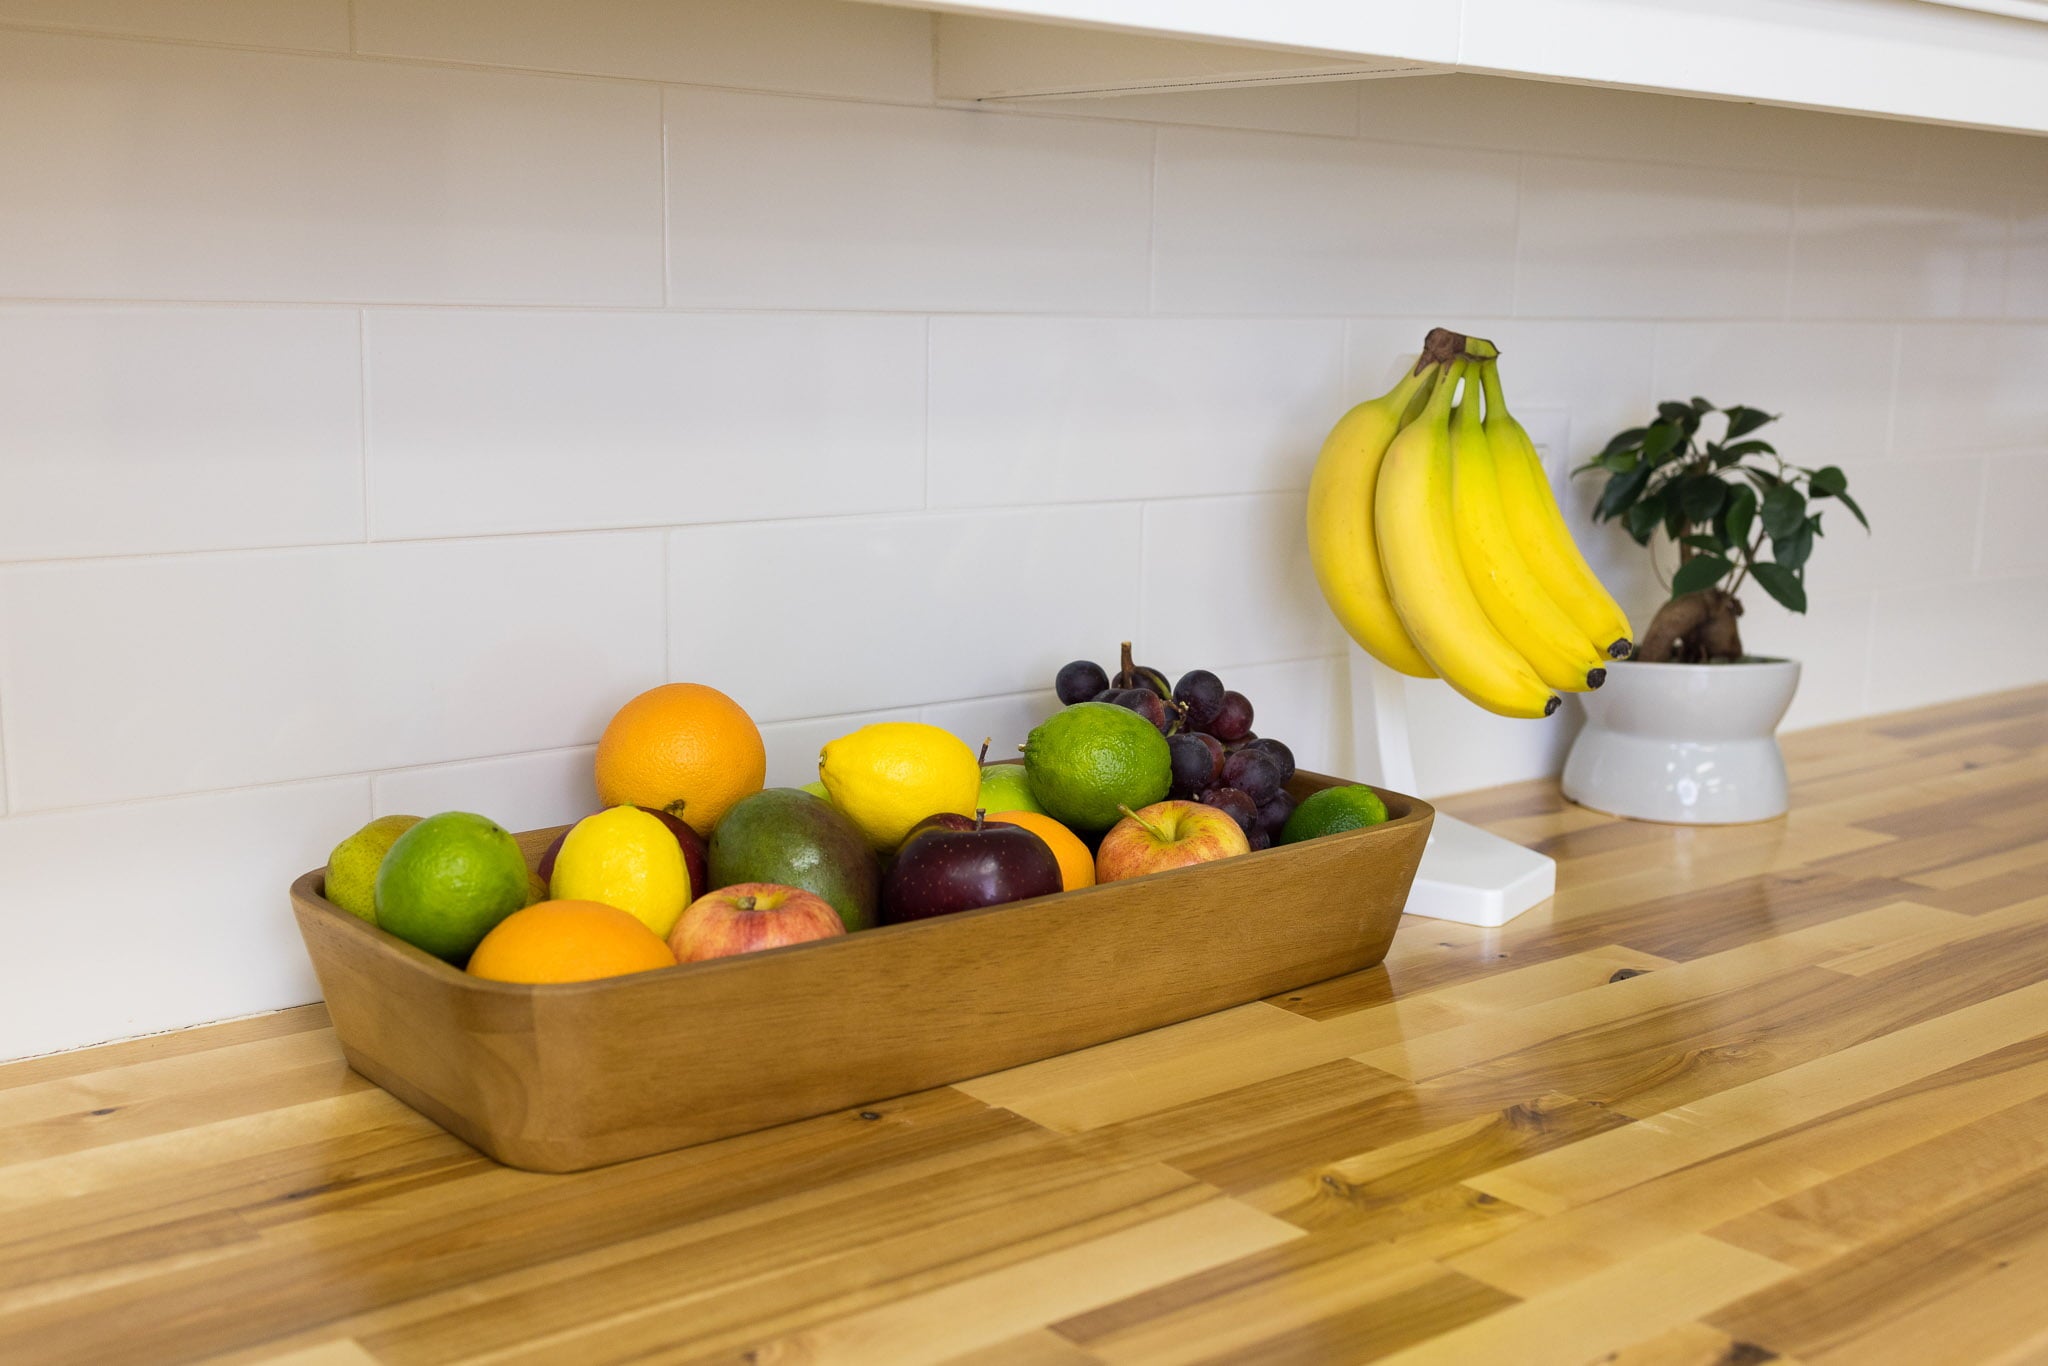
625	858
889	776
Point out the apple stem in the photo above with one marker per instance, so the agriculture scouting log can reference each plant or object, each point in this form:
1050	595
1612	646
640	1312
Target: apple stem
980	813
1130	672
675	808
1154	831
986	741
745	903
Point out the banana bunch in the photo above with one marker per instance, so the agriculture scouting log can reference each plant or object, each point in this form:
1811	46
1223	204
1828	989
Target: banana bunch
1438	544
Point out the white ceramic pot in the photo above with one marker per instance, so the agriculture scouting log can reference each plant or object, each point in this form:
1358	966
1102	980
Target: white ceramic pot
1691	744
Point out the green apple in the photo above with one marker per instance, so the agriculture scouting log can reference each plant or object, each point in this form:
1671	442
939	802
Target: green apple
817	789
1005	788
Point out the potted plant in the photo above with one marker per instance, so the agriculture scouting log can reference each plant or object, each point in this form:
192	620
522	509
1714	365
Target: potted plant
1685	731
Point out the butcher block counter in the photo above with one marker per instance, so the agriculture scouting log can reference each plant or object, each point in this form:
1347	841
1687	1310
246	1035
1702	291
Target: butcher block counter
1770	1092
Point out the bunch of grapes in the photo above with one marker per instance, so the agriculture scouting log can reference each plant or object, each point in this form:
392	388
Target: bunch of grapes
1217	760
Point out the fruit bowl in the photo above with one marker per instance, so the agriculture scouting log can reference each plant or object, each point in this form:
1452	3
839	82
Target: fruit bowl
565	1077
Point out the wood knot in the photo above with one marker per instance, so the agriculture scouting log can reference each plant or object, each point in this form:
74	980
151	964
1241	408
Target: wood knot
1623	974
869	1115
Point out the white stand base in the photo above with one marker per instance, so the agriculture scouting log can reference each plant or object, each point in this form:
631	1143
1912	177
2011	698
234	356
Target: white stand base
1476	877
1467	874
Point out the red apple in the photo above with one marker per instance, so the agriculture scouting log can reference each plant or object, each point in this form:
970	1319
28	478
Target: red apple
748	916
1167	835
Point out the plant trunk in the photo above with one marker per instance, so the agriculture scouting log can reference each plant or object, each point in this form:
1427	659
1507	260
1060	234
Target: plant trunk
1693	629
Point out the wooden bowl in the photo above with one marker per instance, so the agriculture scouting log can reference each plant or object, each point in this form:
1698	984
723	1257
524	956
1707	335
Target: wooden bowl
563	1077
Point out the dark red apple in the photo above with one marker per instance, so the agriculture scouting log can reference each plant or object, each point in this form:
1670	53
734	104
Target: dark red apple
943	868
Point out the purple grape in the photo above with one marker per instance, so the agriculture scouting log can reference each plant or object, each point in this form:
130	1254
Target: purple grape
1233	721
1148	705
1273	813
1194	763
1260	839
1252	772
1279	754
1235	804
1201	693
1080	681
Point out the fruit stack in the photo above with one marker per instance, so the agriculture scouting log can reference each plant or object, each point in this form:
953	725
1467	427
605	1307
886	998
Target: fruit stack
692	858
1437	542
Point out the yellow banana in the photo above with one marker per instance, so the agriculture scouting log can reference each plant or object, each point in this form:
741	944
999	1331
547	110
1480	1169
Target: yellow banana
1514	602
1341	544
1540	532
1419	546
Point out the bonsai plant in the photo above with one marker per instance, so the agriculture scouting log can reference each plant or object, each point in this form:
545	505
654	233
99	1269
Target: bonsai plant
1720	502
1686	731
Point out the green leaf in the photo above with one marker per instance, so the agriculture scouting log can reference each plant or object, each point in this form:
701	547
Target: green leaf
1621	462
1784	509
1742	421
1781	583
1828	481
1621	490
1700	405
1676	412
1701	497
1661	439
1644	516
1627	440
1850	503
1701	571
1741	512
1712	545
1792	551
1742	448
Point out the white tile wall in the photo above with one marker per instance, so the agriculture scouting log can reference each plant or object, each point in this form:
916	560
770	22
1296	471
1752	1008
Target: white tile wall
493	421
146	677
1613	239
134	430
1255	223
155	171
383	408
1028	410
796	203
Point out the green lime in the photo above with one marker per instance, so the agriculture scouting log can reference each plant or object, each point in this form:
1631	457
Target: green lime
1004	787
1331	810
816	789
352	867
448	881
1087	760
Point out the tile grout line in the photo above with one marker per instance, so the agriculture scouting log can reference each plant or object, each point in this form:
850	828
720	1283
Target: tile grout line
363	416
668	267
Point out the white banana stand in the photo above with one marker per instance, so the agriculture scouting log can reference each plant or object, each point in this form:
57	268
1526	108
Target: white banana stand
1467	874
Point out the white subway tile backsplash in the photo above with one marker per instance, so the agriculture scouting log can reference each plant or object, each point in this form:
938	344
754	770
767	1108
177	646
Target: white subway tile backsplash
1826	381
1088	409
1831	641
134	430
1299	702
2026	276
1327	108
1969	387
519	792
1458	747
804	619
2015	492
266	666
131	919
794	203
1227	581
1259	223
812	46
151	171
1923	518
314	24
1941	641
1604	239
525	421
1882	249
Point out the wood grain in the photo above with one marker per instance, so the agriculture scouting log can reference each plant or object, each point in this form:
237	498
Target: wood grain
1769	1094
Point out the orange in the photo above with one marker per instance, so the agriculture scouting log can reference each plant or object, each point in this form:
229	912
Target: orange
568	941
1077	865
683	748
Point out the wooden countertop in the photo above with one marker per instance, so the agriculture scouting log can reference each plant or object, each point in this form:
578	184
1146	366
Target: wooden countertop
1741	1094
